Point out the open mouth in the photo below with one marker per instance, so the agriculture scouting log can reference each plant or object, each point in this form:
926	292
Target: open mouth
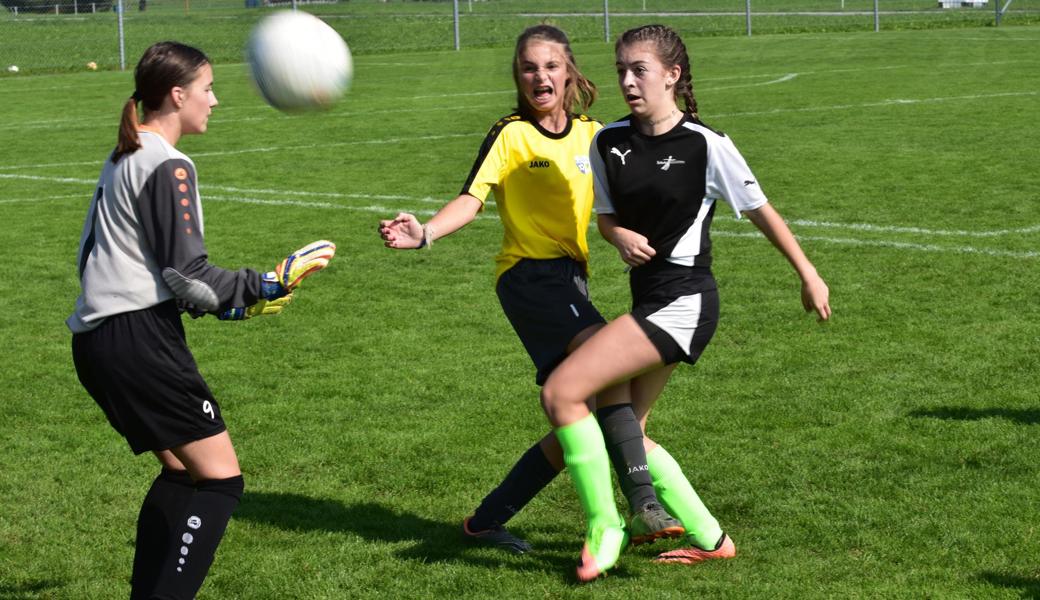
542	93
630	98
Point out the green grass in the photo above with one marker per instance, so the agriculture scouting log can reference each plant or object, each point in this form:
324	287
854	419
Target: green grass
40	43
890	453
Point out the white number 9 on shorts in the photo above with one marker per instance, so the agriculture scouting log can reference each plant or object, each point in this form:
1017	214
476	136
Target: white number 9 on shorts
207	407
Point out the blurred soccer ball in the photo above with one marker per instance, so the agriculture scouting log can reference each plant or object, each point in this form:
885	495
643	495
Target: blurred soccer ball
92	66
12	69
298	62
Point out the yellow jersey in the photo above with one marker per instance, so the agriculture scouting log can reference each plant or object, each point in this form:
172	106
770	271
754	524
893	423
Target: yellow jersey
542	183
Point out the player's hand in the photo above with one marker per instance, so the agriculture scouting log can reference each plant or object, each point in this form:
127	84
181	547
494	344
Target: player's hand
261	308
633	247
290	272
816	297
402	232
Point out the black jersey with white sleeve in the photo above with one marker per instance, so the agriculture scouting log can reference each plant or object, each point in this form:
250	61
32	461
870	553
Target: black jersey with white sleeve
142	242
665	187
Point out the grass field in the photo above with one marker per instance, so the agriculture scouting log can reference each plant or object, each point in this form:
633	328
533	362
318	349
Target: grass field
890	453
41	43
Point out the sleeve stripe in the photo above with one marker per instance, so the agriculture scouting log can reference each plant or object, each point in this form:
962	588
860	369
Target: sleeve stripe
485	148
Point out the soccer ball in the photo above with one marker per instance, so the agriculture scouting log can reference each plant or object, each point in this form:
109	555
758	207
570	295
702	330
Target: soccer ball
298	62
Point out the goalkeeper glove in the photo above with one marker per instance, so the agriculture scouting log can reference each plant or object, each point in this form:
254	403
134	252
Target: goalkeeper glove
290	272
261	308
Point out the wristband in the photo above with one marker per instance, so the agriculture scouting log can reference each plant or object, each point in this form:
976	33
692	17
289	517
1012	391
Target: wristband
427	237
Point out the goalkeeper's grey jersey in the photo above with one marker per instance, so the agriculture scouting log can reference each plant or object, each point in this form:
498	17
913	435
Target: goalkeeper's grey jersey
142	241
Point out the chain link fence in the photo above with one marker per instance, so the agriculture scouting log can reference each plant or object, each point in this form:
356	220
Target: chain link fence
62	35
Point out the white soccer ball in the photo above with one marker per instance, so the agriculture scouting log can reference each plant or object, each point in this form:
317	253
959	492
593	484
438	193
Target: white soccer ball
298	62
12	69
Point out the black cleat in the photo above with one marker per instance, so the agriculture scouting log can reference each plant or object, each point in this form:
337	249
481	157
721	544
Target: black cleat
496	537
652	522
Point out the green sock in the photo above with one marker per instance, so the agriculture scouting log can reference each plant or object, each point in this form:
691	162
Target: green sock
677	495
585	455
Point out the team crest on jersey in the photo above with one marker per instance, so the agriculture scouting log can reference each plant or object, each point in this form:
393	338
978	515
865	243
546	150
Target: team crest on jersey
668	162
583	164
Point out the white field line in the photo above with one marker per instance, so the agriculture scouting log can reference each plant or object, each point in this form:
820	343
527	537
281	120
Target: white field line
914	230
76	180
112	121
999	39
98	121
389	211
783	79
225	188
386	211
81	122
398	140
891	102
266	149
43	198
780	79
893	244
11	85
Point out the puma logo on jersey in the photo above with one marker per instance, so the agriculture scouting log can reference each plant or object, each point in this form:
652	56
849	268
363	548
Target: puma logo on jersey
539	164
620	154
668	162
748	182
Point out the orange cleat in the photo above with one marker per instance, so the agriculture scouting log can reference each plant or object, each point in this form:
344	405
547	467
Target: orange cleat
692	555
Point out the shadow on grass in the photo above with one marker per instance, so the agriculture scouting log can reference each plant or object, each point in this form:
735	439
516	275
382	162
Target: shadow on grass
1030	586
435	541
1025	416
28	590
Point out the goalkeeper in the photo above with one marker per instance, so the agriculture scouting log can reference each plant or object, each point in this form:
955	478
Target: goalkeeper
141	263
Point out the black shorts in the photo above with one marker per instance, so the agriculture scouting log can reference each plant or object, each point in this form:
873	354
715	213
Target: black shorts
547	302
677	307
138	369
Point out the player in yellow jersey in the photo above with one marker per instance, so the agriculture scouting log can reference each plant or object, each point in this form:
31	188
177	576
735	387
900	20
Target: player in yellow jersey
536	163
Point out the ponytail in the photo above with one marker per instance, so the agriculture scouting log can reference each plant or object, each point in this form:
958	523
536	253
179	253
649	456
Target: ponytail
127	143
163	66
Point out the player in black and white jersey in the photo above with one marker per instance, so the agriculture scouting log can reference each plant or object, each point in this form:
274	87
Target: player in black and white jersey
658	175
535	161
142	261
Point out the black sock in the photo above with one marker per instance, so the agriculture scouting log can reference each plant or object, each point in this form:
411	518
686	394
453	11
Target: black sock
196	537
161	509
527	477
624	441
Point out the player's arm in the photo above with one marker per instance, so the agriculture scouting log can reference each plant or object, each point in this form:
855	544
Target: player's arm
815	294
406	232
633	247
170	222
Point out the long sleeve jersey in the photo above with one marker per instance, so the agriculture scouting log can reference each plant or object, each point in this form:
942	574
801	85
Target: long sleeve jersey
142	241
